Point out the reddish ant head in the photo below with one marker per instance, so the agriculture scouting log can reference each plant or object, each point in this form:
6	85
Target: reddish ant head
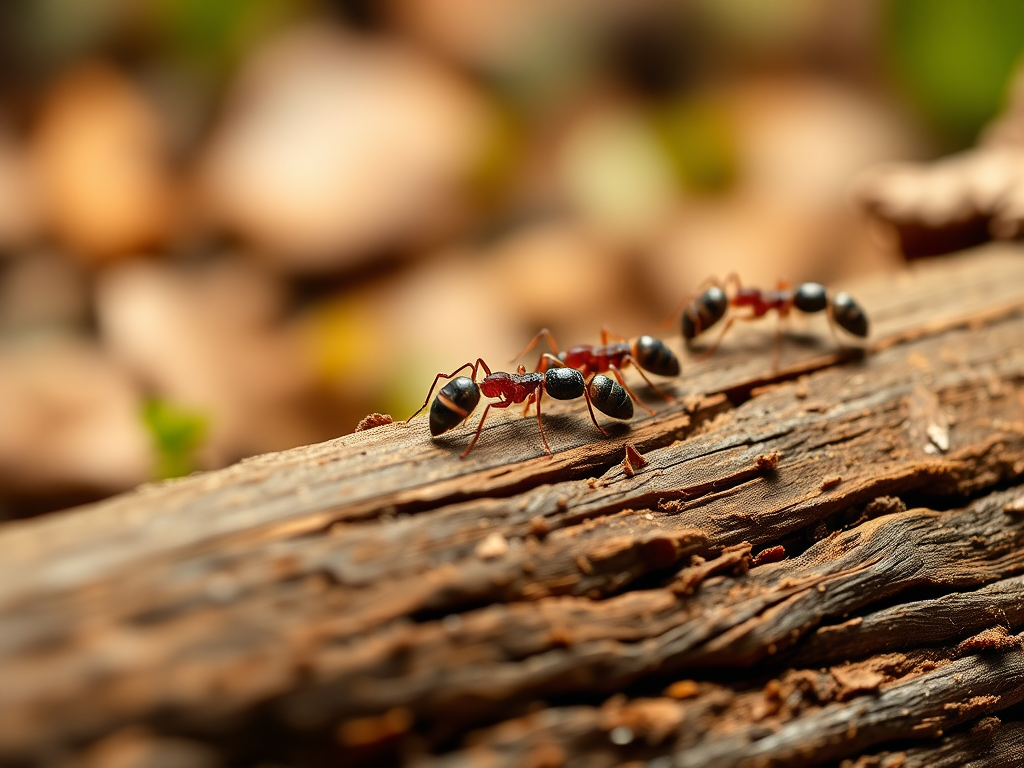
564	383
848	315
610	398
810	297
704	311
652	355
453	404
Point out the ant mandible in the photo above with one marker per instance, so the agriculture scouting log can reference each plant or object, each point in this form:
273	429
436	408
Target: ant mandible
711	305
644	353
459	397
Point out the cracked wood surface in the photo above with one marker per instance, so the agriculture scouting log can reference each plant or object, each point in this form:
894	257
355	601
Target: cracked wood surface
376	598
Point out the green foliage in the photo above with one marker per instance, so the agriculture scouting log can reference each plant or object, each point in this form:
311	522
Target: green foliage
176	433
953	58
213	34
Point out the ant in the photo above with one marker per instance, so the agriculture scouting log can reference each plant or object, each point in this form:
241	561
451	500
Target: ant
459	397
712	304
644	353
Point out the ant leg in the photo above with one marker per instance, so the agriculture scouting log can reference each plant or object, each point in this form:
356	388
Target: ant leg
832	327
618	375
529	401
708	282
544	333
630	359
472	366
476	436
593	418
732	319
607	333
731	279
709	352
540	423
777	345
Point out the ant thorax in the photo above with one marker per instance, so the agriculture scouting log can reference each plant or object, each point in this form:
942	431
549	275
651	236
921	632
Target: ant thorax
763	302
514	387
594	359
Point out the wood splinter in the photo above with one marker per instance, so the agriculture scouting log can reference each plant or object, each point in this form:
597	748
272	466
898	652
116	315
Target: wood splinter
634	460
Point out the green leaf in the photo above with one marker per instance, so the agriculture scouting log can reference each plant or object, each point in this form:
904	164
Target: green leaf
177	435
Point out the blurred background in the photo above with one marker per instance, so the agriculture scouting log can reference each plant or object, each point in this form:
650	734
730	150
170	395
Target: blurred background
238	226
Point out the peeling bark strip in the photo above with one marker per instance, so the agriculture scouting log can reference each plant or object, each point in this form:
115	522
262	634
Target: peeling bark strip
803	718
930	622
988	744
376	598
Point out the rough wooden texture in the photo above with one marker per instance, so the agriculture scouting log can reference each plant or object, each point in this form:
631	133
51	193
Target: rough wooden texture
819	563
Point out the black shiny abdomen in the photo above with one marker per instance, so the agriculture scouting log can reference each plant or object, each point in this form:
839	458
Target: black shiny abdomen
610	398
848	315
810	297
704	311
652	355
564	383
453	404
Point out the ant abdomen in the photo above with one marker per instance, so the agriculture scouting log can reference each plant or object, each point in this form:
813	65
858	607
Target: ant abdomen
849	315
564	383
704	311
652	355
453	404
610	398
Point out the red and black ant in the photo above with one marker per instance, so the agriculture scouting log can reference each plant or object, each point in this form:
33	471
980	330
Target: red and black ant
459	397
644	353
712	304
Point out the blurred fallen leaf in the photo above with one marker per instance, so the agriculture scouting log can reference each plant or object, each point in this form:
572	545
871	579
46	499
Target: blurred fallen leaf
334	147
211	339
99	158
70	420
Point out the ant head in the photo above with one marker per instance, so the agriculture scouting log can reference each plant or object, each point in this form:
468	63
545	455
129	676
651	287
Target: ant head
521	369
810	297
453	404
652	355
609	397
848	315
564	383
704	311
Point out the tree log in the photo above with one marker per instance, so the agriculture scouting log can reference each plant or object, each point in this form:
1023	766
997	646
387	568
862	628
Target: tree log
817	563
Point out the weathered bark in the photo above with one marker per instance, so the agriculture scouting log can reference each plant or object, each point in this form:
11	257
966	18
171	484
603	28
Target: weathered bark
794	577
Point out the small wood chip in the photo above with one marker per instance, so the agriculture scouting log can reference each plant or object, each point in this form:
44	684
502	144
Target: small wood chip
830	483
539	526
493	547
634	460
374	420
995	639
769	555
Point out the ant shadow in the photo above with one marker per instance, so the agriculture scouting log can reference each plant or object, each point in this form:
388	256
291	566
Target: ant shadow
563	431
751	342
